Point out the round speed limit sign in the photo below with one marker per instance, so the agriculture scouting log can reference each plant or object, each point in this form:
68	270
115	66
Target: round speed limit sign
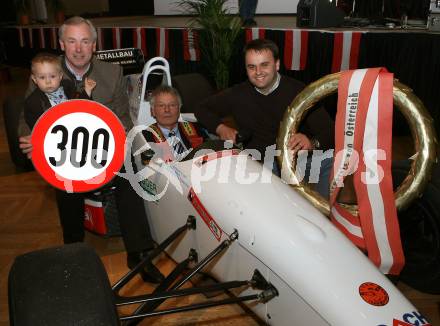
78	145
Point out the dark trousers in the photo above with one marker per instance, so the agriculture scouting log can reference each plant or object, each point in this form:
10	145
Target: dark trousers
131	211
247	8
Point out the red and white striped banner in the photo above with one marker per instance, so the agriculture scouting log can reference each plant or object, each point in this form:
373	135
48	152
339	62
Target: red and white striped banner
53	38
31	38
254	33
42	38
100	40
346	51
295	49
116	32
191	51
363	139
140	40
162	49
20	36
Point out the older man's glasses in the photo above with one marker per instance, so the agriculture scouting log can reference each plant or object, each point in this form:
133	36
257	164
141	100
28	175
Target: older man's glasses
163	106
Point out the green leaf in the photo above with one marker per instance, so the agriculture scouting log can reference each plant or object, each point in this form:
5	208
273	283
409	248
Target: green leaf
219	30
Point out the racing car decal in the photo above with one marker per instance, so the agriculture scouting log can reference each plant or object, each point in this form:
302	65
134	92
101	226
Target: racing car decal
373	294
410	319
149	186
206	217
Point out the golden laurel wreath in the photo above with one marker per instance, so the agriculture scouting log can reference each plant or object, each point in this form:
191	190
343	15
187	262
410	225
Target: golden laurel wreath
412	108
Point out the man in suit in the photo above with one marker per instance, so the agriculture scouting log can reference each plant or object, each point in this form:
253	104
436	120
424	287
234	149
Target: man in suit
77	37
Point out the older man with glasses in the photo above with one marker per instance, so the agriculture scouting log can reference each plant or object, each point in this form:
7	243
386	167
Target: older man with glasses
180	137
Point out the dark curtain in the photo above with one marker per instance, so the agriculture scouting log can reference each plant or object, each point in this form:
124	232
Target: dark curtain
131	7
7	14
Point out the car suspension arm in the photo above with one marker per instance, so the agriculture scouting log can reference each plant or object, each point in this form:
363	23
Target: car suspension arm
148	307
190	224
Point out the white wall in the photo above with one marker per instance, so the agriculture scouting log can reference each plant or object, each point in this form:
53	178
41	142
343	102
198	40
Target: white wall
168	7
277	6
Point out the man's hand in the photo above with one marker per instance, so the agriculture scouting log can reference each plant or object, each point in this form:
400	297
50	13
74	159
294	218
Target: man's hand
299	142
226	133
25	145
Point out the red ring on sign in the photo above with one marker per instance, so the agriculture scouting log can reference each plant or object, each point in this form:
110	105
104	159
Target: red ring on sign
77	106
373	294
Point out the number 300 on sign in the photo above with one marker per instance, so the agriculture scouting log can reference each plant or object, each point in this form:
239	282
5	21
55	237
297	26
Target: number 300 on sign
79	144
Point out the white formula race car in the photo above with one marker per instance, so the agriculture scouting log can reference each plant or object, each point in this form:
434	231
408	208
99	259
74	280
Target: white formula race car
222	213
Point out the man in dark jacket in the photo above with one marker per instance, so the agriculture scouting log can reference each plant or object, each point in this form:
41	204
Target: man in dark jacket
258	105
77	38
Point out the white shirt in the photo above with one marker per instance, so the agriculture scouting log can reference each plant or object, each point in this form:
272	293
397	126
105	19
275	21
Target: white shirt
77	76
57	96
166	132
274	86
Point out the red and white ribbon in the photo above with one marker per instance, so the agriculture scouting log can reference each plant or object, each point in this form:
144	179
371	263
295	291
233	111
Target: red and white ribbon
191	51
364	137
116	31
254	33
295	49
346	51
162	49
140	40
348	224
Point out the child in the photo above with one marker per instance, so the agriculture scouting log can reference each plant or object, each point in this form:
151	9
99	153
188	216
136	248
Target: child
52	89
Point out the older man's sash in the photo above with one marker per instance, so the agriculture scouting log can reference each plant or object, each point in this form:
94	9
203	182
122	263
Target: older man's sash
363	148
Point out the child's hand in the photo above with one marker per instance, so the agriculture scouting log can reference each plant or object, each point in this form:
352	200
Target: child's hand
89	85
26	145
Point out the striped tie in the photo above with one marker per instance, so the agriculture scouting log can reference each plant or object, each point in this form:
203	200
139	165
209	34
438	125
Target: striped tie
176	143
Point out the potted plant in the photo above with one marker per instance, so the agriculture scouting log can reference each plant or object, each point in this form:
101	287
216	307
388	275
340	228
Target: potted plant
219	31
22	10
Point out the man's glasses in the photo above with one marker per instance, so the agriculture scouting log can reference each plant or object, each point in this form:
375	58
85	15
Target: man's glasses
162	106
